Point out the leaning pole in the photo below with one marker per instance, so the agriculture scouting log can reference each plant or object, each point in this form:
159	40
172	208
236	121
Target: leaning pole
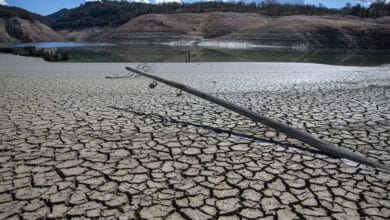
324	146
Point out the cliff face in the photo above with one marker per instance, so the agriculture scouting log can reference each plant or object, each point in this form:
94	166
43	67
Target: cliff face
21	30
308	31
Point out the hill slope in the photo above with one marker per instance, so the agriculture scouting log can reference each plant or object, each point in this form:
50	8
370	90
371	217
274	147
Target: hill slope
319	31
308	31
185	26
9	12
57	15
18	25
21	30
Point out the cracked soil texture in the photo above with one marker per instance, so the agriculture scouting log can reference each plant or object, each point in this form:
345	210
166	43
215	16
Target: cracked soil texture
76	145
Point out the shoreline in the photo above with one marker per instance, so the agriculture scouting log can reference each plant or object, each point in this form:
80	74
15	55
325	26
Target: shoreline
274	74
162	53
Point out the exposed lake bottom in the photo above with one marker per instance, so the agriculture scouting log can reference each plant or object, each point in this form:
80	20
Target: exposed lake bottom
75	144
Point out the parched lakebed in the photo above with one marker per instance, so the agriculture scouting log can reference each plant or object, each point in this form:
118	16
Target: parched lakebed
75	144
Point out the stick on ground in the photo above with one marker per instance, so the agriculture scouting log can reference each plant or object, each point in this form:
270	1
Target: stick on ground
323	146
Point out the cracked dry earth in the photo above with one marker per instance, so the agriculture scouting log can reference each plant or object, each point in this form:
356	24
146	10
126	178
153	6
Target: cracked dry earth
76	145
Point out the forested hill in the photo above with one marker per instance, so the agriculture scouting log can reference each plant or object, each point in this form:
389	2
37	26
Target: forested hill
111	13
55	16
9	12
109	21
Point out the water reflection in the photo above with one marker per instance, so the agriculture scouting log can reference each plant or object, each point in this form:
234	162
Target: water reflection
102	52
45	45
161	53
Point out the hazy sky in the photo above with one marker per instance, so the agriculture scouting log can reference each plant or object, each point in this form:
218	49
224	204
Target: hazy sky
45	7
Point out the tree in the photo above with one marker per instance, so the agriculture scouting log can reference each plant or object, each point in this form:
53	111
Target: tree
378	9
358	10
347	9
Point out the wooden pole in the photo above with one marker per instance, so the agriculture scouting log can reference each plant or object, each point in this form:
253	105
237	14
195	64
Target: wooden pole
321	145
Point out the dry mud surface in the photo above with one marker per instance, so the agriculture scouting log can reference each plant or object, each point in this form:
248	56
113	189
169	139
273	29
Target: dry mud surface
74	144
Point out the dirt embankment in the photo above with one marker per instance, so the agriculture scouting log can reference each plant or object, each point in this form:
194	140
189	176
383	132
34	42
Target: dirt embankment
91	34
159	27
22	30
308	31
313	31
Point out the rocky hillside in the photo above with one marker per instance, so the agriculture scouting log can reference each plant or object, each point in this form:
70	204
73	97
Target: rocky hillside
308	31
16	29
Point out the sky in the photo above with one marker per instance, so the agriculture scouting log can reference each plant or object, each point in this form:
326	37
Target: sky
45	7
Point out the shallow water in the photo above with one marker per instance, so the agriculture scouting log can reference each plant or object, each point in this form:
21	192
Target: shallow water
162	53
55	44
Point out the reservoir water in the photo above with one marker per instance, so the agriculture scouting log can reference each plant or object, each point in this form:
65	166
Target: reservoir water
150	53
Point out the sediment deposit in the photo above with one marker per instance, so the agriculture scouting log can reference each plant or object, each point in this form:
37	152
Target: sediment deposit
74	144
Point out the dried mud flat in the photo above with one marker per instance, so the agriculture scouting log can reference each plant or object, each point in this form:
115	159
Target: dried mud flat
76	145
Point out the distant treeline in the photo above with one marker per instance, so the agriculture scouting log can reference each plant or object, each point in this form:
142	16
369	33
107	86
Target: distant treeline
114	13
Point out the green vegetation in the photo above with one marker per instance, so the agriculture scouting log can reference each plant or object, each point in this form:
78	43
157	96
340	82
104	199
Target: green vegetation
7	12
55	16
99	14
376	10
116	13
